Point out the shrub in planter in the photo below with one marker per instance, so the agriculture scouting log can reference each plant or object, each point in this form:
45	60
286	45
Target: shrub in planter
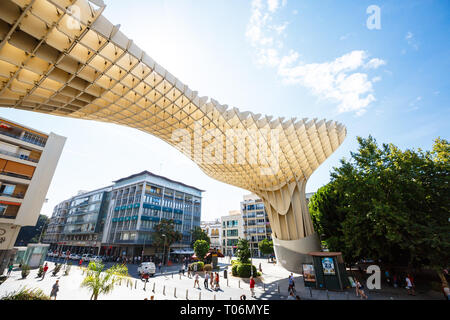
200	266
26	294
57	268
207	267
41	271
66	272
233	262
25	270
244	270
234	269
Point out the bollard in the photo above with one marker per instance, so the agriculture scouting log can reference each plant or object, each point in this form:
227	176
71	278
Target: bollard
264	287
214	297
164	290
278	288
227	283
328	297
187	297
239	284
310	292
175	292
135	284
180	276
199	296
153	287
172	275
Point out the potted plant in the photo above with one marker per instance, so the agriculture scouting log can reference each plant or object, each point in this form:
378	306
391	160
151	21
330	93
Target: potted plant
57	268
40	272
25	270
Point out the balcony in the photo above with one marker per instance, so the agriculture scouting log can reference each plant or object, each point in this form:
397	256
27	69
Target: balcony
26	139
18	156
19	195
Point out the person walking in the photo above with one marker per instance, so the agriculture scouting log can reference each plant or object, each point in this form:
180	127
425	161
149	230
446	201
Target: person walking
216	282
252	287
159	266
409	285
196	280
211	280
45	270
360	289
291	287
55	289
205	282
291	296
10	267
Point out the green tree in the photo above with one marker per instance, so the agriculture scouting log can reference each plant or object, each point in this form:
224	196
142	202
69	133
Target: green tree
387	204
165	235
198	234
266	247
243	251
201	248
102	282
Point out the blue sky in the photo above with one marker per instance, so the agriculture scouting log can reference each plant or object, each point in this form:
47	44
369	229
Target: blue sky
314	59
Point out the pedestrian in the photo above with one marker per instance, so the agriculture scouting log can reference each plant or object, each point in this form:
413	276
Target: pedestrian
217	286
252	287
291	287
360	289
196	280
55	289
409	286
159	266
394	281
446	292
211	280
297	298
45	270
182	269
243	297
10	267
291	296
205	282
80	263
388	277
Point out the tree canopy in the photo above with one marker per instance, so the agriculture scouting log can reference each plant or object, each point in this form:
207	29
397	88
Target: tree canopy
198	234
165	235
387	204
266	246
243	251
201	248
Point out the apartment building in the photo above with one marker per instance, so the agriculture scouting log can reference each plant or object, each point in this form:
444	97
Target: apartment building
212	229
28	159
141	201
57	222
232	229
256	222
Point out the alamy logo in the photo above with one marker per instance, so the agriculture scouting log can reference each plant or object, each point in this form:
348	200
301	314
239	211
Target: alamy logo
374	281
374	20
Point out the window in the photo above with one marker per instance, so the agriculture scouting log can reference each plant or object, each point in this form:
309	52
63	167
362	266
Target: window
2	209
7	188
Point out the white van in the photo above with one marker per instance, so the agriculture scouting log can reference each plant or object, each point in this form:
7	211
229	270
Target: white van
147	267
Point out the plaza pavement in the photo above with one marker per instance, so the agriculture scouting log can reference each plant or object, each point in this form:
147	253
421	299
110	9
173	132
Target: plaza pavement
172	286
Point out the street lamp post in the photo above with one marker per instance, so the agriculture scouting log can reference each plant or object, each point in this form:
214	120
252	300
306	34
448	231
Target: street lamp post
164	251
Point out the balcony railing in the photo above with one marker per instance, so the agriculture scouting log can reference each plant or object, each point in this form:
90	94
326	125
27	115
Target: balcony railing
7	217
38	143
15	175
18	155
19	195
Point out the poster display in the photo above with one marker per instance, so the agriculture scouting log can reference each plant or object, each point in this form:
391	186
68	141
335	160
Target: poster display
328	267
308	273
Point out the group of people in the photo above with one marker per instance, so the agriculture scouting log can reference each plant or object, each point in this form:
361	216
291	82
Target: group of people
211	278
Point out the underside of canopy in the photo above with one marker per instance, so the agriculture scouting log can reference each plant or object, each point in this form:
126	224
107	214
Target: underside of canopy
62	57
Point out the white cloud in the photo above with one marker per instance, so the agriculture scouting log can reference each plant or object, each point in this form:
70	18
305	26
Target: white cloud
375	63
340	80
412	40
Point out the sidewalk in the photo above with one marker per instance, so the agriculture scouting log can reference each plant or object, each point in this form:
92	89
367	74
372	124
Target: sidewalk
171	285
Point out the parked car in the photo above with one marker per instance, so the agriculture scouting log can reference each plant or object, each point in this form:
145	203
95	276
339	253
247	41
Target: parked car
74	256
147	267
96	259
86	257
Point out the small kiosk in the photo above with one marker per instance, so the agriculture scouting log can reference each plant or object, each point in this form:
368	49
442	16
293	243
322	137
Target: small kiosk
327	271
